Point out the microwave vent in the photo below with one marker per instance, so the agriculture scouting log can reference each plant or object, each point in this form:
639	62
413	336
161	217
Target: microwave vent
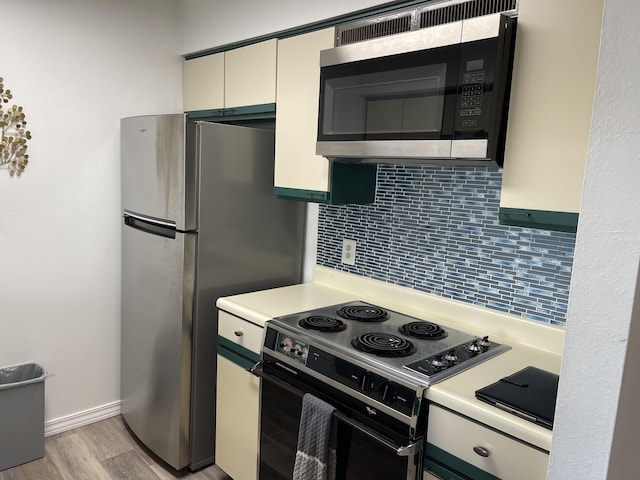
430	17
425	15
375	29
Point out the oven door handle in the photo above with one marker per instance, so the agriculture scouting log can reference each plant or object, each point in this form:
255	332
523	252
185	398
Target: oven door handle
258	371
401	451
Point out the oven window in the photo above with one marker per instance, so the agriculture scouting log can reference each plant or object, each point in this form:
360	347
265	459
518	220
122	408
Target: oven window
279	419
358	456
406	100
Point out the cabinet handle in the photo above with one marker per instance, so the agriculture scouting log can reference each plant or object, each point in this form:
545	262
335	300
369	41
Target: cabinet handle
519	214
483	452
238	333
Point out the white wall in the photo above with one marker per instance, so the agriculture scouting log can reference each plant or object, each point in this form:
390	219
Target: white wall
204	26
77	67
597	426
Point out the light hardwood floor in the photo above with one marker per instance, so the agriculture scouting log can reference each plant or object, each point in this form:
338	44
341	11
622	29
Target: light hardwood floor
104	450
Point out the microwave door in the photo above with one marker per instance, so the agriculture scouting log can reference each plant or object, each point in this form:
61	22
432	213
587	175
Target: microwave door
384	108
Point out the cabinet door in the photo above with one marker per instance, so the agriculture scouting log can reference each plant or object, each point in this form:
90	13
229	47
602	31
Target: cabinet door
204	83
300	173
488	453
237	405
297	165
250	74
552	93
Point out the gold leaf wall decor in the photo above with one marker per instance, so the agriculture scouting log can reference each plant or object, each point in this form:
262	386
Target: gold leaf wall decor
13	143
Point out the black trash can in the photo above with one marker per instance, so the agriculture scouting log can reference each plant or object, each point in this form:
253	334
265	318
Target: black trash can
21	414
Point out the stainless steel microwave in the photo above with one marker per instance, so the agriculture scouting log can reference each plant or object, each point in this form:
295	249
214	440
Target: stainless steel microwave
434	95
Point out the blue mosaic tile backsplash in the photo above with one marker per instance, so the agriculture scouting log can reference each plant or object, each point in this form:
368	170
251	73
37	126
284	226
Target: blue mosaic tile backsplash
435	229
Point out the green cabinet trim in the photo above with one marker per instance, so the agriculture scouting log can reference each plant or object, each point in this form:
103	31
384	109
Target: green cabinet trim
349	183
237	354
252	112
313	196
442	463
540	219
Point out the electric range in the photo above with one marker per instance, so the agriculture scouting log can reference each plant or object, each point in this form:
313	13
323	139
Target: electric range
378	356
370	364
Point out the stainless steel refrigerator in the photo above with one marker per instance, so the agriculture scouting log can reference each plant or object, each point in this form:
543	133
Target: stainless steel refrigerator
200	221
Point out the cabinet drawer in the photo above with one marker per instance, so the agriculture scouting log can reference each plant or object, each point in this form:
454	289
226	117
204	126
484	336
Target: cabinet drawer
240	332
506	458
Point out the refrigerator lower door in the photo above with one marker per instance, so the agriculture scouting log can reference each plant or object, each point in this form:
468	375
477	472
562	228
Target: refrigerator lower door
158	270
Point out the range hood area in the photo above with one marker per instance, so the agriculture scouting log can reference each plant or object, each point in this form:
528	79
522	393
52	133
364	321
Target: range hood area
405	89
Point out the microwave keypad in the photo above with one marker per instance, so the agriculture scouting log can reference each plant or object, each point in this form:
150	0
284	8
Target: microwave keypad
472	90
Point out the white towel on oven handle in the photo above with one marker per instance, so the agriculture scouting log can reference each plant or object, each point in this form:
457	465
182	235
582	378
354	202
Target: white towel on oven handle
317	439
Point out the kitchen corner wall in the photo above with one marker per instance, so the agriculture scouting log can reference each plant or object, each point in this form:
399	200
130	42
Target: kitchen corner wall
76	67
436	230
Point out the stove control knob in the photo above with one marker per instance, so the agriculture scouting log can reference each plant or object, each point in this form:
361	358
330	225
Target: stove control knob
451	357
286	345
475	347
485	343
439	362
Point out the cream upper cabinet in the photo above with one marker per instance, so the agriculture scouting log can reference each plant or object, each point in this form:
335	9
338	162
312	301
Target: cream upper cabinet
297	165
240	77
300	173
250	74
552	94
204	83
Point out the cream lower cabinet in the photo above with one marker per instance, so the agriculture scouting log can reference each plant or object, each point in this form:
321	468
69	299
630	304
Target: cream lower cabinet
458	448
552	93
300	174
237	397
241	77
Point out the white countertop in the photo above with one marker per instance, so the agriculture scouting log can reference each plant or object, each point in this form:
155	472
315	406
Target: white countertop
532	343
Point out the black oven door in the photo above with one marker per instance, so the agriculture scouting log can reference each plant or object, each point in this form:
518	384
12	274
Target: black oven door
363	452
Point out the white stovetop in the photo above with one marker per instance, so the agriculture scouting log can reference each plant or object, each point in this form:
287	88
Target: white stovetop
533	343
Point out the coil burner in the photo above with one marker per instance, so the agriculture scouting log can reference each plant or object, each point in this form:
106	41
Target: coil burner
363	313
424	330
383	344
322	323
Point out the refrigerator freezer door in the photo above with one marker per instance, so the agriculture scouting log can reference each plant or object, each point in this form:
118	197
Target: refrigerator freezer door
158	175
157	299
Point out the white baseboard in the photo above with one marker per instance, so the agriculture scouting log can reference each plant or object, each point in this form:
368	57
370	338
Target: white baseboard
75	420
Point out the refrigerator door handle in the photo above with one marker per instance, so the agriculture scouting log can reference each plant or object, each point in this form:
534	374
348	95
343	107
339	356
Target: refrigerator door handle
151	225
147	219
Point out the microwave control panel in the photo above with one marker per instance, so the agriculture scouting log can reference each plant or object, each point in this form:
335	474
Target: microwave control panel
471	99
475	89
474	96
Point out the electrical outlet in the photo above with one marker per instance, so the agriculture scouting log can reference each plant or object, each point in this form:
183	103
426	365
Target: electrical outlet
349	252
